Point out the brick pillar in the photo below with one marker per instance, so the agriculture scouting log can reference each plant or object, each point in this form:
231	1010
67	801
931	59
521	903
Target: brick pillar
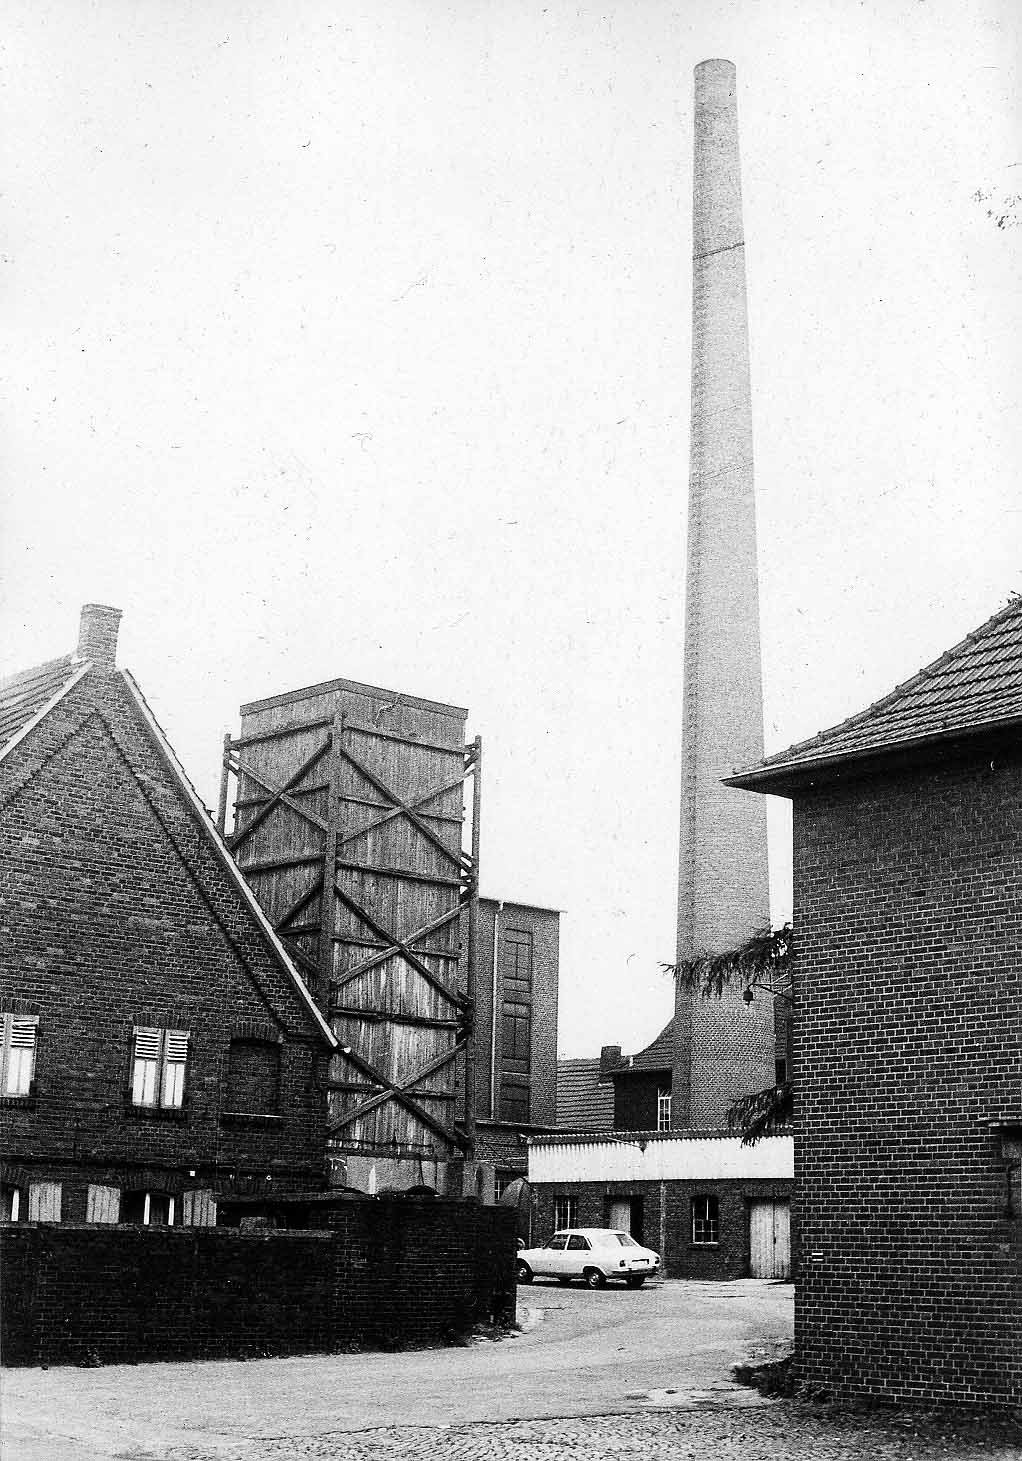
97	635
722	1048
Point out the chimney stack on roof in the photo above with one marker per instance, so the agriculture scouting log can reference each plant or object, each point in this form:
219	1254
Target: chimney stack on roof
97	635
610	1059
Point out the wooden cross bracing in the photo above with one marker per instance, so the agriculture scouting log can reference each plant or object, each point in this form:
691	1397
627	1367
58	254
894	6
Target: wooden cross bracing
278	795
335	868
398	1090
400	946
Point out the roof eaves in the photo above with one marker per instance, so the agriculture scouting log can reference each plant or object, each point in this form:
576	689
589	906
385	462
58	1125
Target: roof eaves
44	710
799	769
223	852
794	757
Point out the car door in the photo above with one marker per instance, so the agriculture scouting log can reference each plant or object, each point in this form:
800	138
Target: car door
551	1258
576	1255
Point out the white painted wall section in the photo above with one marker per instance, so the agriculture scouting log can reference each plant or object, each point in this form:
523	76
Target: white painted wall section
699	1159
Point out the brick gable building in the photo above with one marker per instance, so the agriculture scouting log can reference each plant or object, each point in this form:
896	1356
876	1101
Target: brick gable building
908	1033
159	1048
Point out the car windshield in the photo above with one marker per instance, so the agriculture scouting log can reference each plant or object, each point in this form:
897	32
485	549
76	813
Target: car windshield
626	1240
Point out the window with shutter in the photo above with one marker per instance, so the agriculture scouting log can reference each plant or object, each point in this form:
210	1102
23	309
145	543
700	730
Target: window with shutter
159	1059
17	1061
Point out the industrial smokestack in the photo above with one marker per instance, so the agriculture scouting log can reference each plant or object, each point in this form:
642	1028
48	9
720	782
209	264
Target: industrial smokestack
722	1049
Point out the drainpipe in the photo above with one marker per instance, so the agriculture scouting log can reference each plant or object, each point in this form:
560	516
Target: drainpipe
493	1011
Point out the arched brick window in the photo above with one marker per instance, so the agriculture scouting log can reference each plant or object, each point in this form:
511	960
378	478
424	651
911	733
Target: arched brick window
253	1076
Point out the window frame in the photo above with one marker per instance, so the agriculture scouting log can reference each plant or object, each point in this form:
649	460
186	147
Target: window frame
663	1110
160	1067
565	1216
9	1020
705	1225
147	1194
232	1107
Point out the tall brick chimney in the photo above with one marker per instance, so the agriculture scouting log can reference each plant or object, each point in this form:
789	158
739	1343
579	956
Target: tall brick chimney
97	635
722	1049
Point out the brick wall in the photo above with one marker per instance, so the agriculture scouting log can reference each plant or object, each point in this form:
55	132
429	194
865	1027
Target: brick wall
115	911
387	1274
907	1048
544	926
666	1219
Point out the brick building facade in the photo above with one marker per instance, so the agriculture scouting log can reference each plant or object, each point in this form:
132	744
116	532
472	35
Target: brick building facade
515	1034
907	1032
159	1047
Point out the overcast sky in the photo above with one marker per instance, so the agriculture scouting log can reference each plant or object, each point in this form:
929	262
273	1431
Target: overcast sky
353	340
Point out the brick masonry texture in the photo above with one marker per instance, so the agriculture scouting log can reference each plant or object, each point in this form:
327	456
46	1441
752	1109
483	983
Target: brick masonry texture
116	911
544	926
666	1219
387	1274
906	1049
723	893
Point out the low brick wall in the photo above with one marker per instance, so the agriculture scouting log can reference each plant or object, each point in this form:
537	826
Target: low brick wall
388	1274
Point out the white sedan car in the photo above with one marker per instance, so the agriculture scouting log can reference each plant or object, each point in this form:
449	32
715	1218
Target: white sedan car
592	1254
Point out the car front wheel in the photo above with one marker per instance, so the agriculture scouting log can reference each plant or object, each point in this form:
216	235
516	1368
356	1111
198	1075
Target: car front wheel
594	1278
523	1273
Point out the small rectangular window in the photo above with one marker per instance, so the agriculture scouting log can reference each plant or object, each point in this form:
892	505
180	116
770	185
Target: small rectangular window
514	1100
780	1071
663	1111
565	1212
17	1058
13	1203
149	1209
705	1220
159	1058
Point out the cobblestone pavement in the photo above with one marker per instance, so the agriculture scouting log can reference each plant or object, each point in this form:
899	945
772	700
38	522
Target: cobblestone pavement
778	1431
593	1374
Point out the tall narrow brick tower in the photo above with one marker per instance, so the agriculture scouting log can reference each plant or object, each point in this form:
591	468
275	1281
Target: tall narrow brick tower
722	1048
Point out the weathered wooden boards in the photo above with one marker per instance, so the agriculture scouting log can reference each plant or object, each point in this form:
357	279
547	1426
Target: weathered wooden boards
349	825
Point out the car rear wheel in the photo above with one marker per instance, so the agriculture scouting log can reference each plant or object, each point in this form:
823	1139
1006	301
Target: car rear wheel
523	1273
594	1278
635	1280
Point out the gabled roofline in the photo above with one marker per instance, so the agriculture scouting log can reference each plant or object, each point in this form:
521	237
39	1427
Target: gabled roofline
52	703
792	765
223	852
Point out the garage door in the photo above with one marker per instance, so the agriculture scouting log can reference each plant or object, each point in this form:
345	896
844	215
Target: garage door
770	1239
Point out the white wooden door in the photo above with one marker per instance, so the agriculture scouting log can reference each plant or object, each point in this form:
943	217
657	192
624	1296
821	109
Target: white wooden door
620	1216
770	1239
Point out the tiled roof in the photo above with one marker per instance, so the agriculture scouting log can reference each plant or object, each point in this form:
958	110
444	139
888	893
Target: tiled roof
974	686
583	1104
23	695
657	1056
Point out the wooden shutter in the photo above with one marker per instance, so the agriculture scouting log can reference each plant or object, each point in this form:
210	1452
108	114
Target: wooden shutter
19	1032
44	1202
198	1208
145	1066
104	1204
175	1055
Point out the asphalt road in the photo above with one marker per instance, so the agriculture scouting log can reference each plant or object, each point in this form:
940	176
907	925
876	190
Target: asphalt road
584	1353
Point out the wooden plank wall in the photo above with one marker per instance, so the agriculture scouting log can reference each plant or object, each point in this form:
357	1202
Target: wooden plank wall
395	871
